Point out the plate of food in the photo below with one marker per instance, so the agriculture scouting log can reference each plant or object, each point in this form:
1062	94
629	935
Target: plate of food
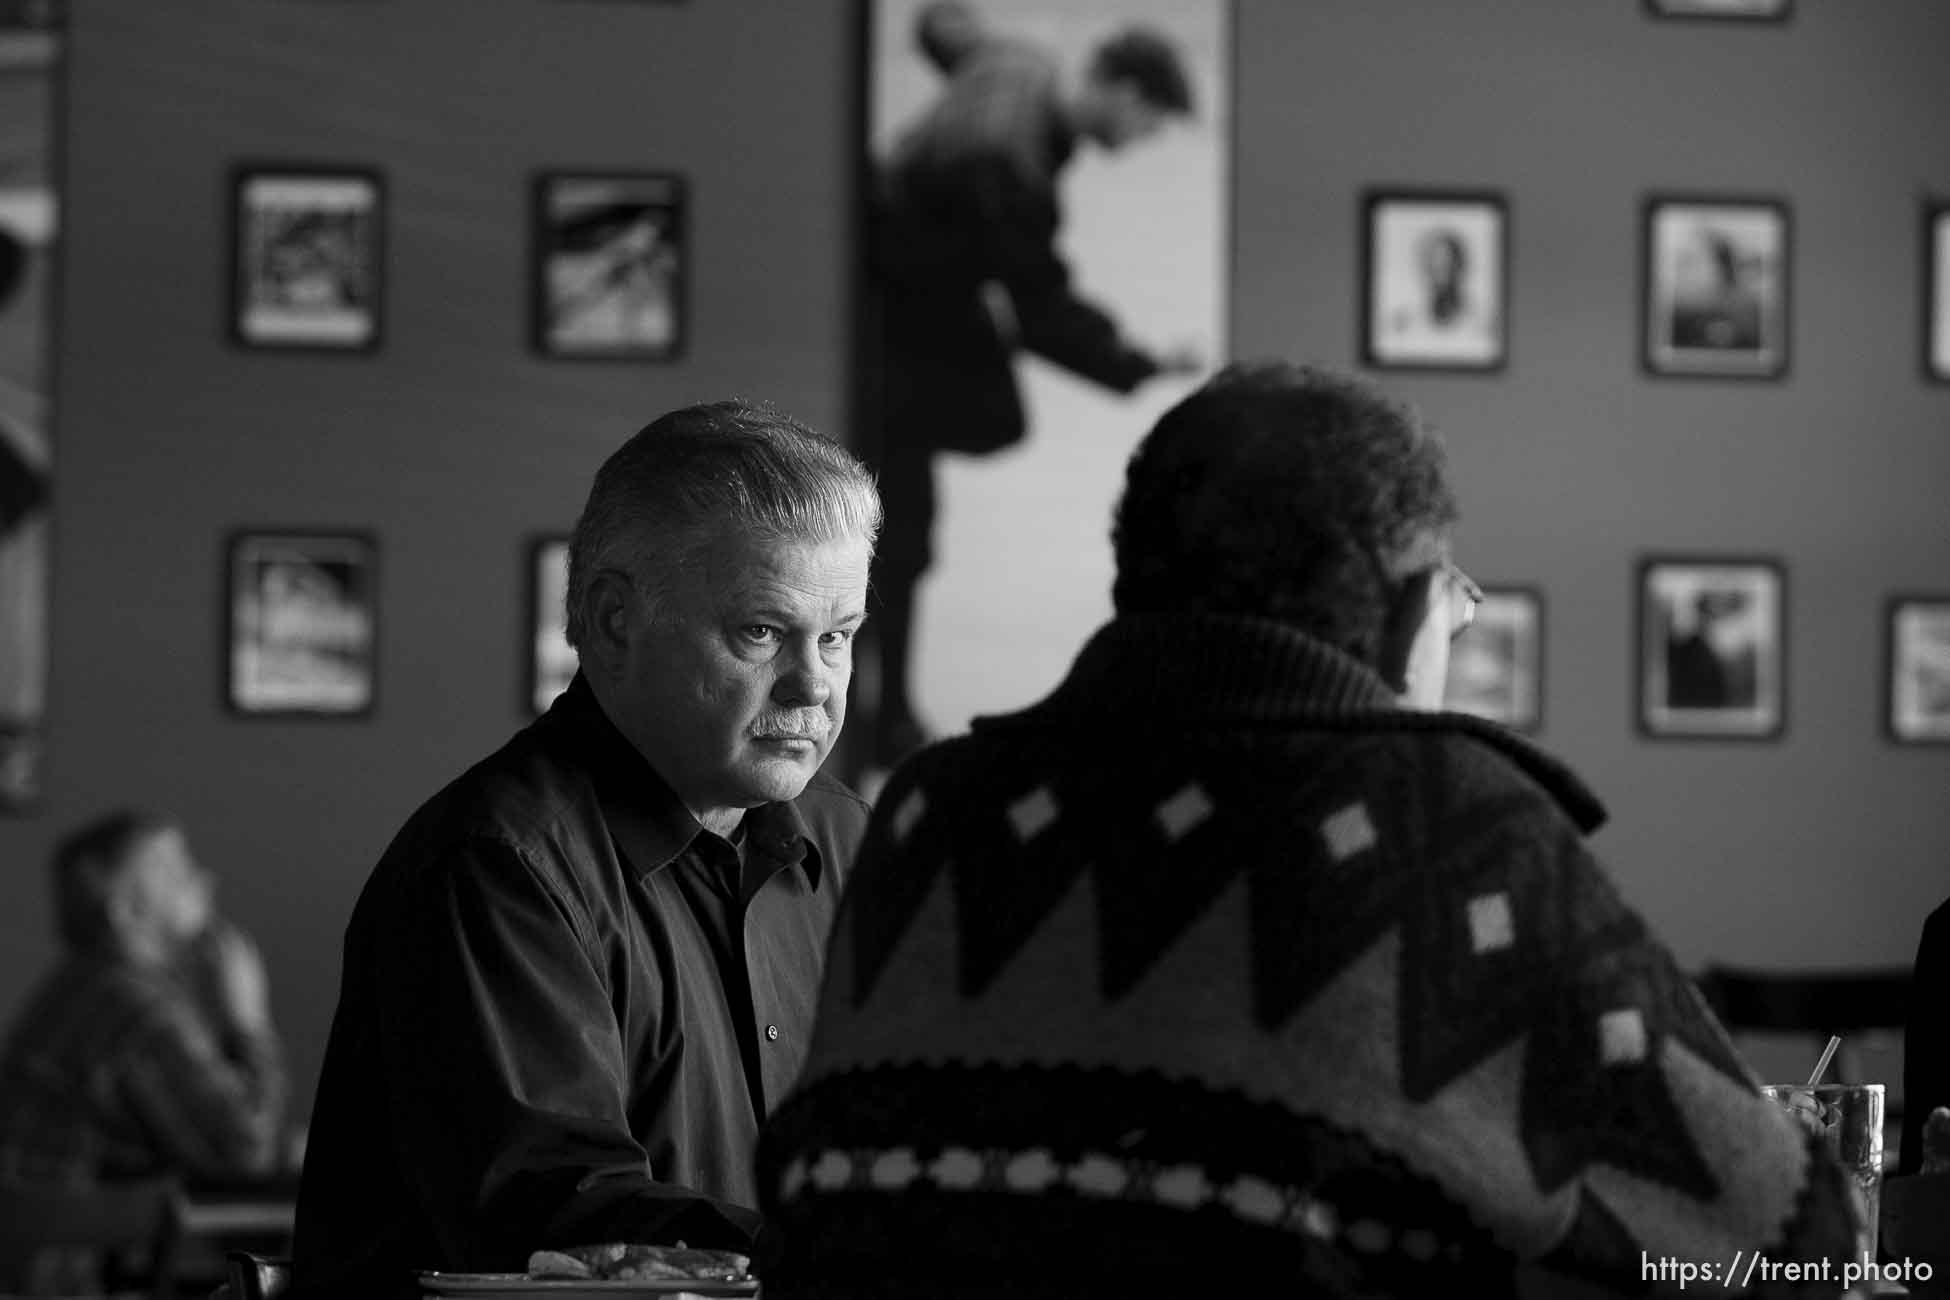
607	1270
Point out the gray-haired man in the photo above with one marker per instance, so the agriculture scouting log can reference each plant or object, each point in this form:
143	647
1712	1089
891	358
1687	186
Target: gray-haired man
583	972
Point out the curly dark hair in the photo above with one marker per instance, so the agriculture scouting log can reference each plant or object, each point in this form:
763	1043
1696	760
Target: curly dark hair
1283	492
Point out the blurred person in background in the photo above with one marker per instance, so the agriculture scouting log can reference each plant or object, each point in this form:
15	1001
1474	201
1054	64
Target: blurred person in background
149	1049
1235	965
583	973
966	272
148	1052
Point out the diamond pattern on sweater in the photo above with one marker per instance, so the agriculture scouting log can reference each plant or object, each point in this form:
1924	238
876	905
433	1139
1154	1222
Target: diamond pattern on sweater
1032	814
1621	1037
1483	938
909	813
1490	927
1348	832
1002	899
882	914
1460	1003
1571	1115
1184	812
1150	893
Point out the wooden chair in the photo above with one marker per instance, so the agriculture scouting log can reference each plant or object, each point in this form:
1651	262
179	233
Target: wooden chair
216	1223
55	1237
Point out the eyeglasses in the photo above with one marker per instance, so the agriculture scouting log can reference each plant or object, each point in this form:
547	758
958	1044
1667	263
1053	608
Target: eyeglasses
1464	597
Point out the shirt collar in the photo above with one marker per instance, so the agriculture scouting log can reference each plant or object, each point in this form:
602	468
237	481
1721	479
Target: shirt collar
651	824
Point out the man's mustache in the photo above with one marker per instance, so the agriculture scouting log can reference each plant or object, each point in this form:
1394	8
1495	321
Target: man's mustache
804	726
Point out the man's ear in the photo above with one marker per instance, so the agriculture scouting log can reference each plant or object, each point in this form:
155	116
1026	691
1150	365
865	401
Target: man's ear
609	605
1400	627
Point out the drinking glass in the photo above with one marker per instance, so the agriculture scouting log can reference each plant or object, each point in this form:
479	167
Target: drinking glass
1848	1116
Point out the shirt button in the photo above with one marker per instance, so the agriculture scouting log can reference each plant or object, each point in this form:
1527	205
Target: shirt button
772	1033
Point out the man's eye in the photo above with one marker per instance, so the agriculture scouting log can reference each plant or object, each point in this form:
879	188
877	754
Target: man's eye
761	633
834	640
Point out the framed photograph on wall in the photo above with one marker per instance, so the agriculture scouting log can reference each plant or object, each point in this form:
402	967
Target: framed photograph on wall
1712	647
29	223
302	624
552	660
991	449
1435	277
30	237
1753	11
1496	667
1917	695
30	33
608	265
1936	290
307	257
1715	297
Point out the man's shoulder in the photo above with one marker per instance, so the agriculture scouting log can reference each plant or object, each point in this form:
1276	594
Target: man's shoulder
1473	765
525	793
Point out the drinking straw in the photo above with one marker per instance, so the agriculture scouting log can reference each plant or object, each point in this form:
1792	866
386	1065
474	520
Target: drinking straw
1827	1055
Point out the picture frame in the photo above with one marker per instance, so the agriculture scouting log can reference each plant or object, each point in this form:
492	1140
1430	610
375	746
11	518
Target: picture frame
32	38
1496	667
1715	299
1750	11
301	622
1435	280
552	661
609	265
1916	687
1712	647
307	257
29	226
1010	440
1936	290
30	33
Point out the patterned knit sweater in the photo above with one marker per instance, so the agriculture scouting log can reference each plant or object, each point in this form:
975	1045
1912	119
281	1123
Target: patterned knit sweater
1216	964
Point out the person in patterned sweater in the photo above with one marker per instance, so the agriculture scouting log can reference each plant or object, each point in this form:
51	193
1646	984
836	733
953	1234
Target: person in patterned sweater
1237	961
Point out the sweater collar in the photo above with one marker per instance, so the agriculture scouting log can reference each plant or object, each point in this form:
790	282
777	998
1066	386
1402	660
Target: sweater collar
1204	668
1214	669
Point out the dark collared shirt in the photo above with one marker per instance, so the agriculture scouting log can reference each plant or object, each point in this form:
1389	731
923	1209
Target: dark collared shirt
564	1012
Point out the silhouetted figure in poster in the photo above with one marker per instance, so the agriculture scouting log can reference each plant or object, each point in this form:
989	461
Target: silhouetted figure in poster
1722	307
1445	268
1708	667
1438	307
965	273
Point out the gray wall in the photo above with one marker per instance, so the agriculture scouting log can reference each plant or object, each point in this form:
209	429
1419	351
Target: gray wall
1827	847
453	443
